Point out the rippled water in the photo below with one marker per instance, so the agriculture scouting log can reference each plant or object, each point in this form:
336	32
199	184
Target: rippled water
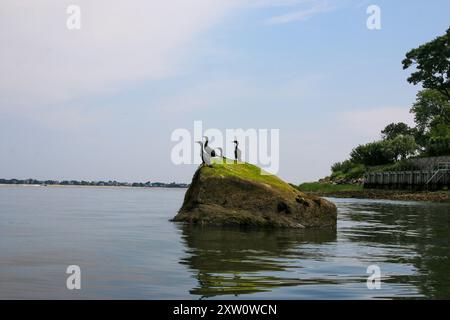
127	249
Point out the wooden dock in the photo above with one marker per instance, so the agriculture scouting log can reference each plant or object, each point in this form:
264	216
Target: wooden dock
437	178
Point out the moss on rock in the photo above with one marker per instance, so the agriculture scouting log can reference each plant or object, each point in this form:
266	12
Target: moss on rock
238	194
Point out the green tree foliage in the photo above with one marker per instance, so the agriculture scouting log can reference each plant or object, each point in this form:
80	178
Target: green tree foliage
430	109
432	64
402	146
438	140
343	166
439	146
347	170
392	130
431	135
432	116
373	153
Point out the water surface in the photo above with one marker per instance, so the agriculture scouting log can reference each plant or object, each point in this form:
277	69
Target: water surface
127	248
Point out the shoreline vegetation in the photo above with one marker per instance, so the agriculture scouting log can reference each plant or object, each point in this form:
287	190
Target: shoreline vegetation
358	192
430	135
82	183
401	147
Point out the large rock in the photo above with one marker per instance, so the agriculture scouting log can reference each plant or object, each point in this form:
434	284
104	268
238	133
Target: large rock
238	194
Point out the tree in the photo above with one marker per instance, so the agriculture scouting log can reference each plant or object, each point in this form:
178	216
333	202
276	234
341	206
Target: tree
347	170
439	146
343	166
432	62
430	109
439	140
391	131
373	153
403	146
432	116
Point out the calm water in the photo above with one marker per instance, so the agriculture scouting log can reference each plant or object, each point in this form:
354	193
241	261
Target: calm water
127	249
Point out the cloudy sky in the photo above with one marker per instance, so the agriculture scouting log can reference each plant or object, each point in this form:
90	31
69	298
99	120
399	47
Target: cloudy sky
100	103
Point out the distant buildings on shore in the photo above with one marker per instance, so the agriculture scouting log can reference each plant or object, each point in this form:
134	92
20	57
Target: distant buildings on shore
95	183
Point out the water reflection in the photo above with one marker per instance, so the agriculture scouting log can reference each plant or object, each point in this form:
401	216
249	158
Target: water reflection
410	241
416	233
241	261
124	241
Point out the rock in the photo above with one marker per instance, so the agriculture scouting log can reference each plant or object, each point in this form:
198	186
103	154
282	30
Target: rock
238	194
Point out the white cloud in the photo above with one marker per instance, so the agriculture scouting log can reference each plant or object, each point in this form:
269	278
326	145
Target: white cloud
44	62
300	15
277	3
335	135
240	91
368	123
47	69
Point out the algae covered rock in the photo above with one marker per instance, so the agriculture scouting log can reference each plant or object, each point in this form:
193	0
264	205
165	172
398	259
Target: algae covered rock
238	194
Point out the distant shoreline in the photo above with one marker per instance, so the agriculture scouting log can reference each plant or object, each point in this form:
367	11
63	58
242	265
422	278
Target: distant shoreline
83	186
99	184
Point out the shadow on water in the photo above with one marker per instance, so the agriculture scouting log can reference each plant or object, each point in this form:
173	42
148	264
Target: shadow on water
236	261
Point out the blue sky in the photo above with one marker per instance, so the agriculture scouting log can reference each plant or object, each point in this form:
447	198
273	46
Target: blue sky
100	103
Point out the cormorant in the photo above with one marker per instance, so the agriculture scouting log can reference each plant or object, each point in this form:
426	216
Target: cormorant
237	152
208	149
206	158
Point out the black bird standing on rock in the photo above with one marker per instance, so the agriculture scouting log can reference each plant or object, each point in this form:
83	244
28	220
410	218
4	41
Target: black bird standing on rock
208	149
237	152
206	159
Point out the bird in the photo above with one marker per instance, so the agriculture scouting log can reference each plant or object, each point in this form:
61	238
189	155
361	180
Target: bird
206	158
237	152
208	149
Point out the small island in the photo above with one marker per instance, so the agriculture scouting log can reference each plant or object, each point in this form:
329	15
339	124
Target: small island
237	193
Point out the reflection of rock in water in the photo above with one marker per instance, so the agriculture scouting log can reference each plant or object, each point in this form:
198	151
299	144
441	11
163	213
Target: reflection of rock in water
238	261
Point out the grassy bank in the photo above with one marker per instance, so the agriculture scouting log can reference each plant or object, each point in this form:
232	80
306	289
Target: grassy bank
328	187
357	191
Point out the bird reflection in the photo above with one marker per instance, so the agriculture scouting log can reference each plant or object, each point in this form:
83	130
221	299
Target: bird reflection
235	261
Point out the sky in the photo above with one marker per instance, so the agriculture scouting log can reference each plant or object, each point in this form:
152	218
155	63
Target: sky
101	102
